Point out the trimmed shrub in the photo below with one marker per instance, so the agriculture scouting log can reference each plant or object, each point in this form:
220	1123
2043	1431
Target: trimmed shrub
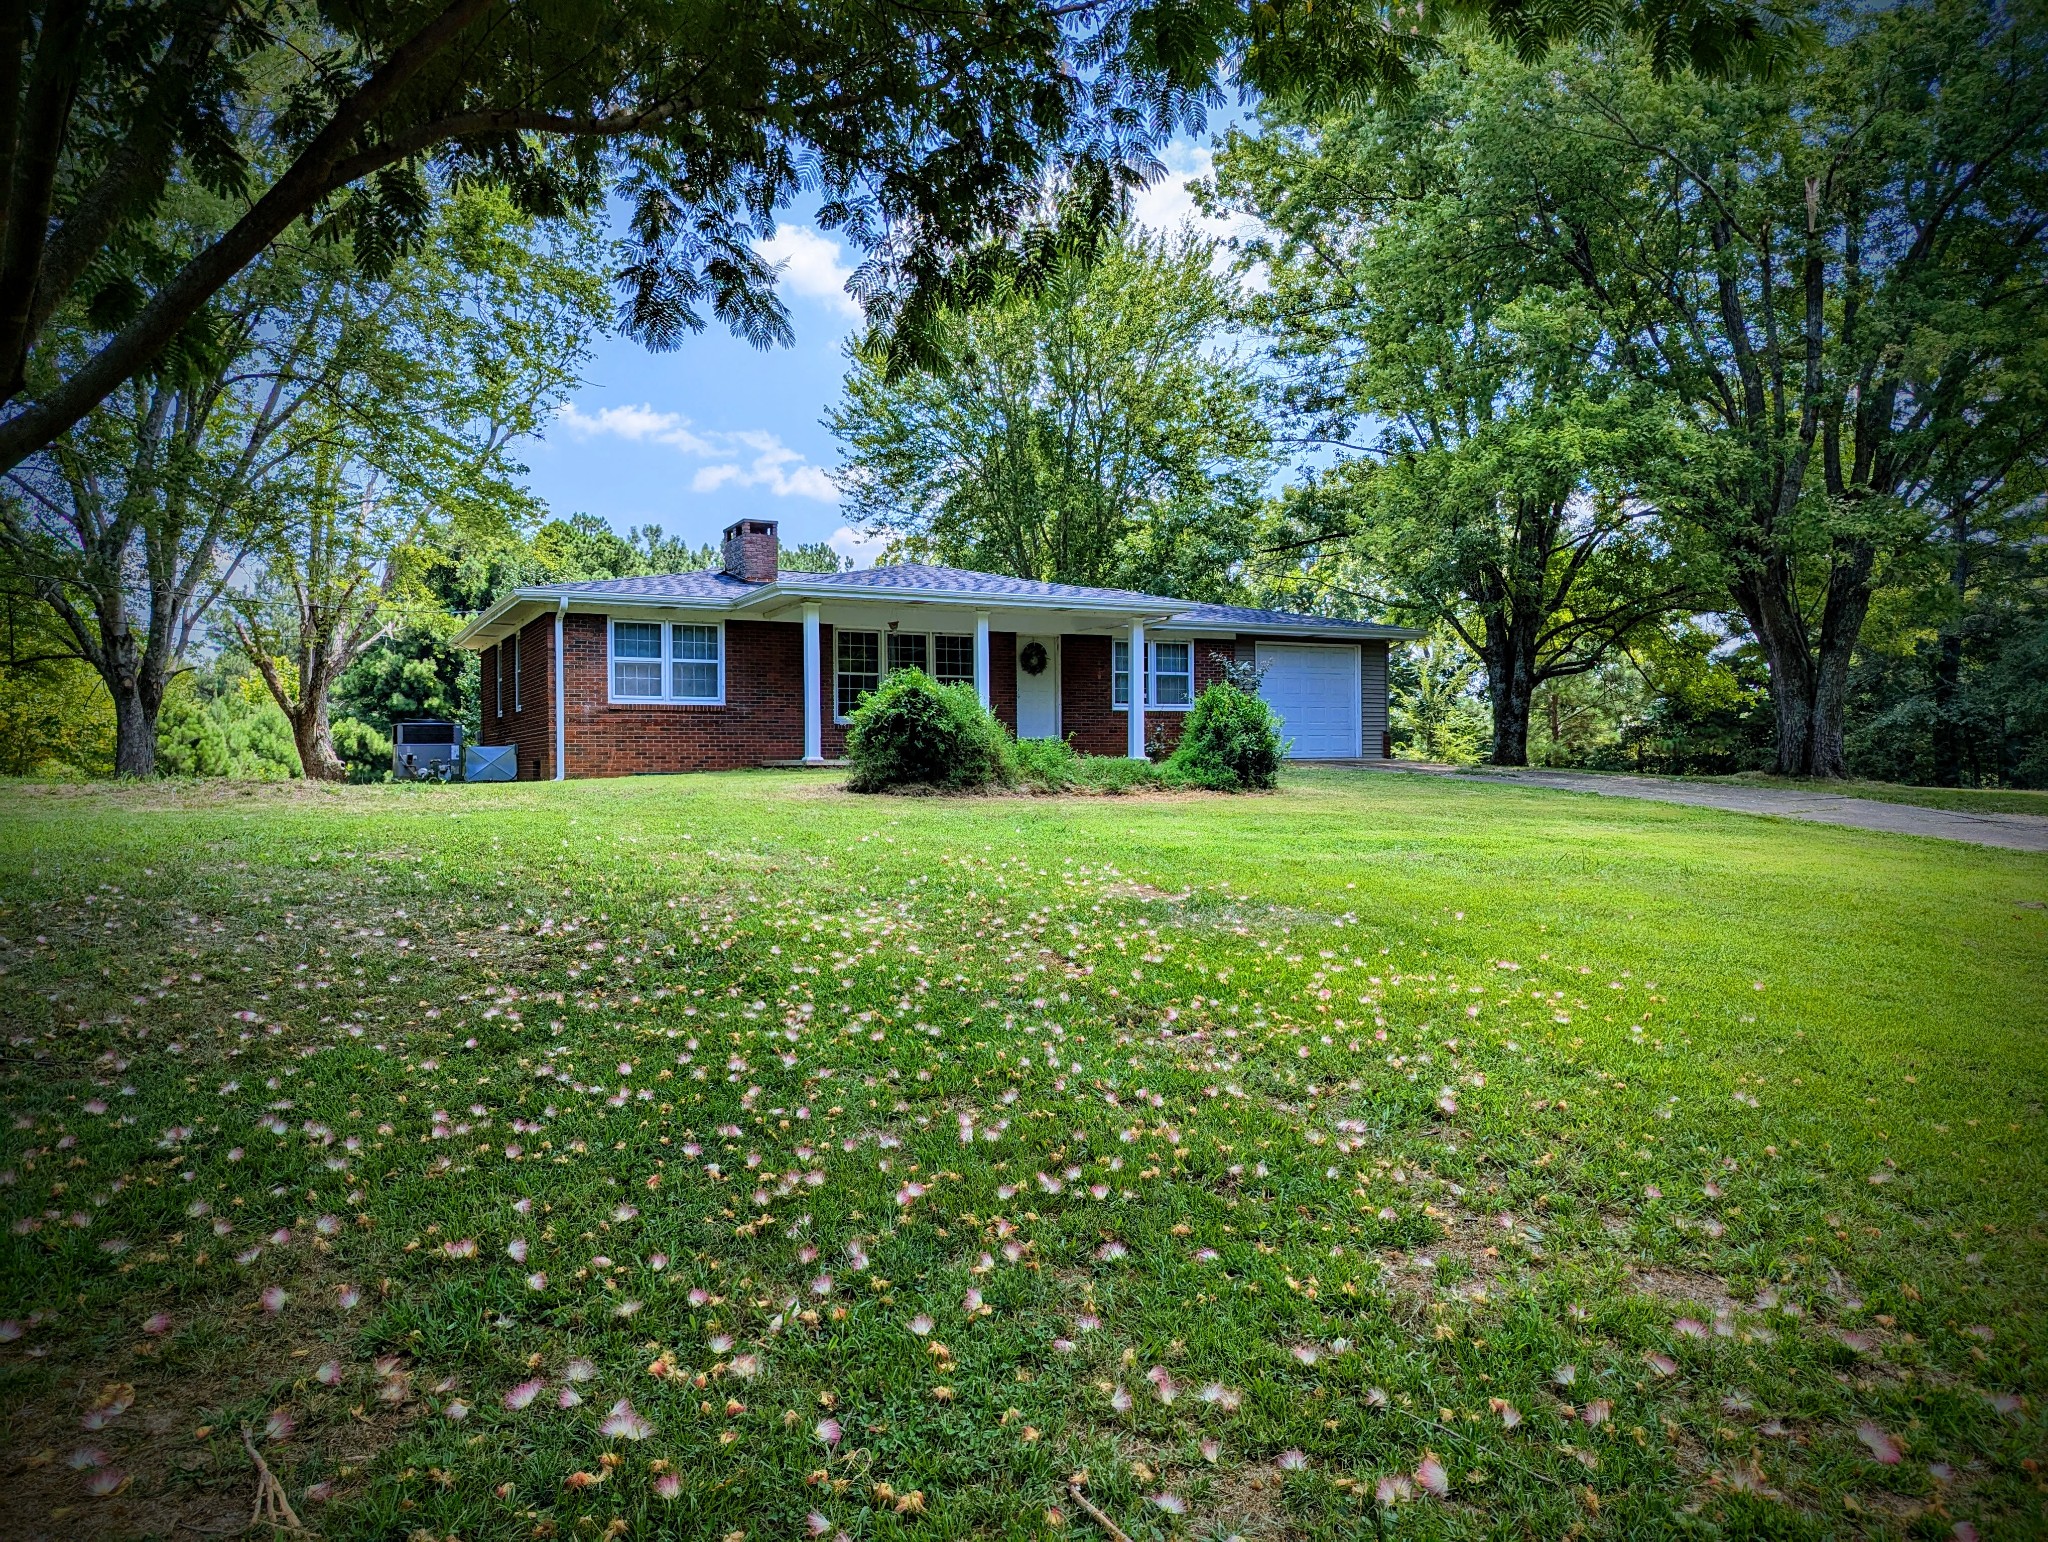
1230	742
914	732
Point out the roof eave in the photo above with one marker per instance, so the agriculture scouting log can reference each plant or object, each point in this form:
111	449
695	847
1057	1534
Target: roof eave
473	634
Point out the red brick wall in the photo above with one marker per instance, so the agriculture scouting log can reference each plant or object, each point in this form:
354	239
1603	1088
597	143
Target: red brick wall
762	718
1085	715
1002	677
1085	712
529	726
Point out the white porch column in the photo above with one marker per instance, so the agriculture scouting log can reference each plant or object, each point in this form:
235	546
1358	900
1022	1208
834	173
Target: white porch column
561	701
814	728
1136	746
981	657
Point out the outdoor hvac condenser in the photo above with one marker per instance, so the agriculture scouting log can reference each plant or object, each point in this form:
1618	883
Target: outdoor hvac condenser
428	749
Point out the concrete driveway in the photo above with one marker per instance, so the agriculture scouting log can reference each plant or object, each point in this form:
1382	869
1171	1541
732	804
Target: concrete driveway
2015	832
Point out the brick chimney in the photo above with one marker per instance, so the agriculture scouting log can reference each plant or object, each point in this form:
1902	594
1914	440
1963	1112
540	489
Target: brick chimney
752	551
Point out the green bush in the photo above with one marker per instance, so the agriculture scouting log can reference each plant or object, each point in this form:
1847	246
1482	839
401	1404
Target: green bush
229	733
365	752
1229	743
914	732
1049	765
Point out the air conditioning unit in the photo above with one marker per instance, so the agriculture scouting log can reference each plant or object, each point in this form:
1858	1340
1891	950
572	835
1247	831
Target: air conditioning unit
426	750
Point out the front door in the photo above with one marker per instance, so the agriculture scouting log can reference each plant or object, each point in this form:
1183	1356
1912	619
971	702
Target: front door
1038	695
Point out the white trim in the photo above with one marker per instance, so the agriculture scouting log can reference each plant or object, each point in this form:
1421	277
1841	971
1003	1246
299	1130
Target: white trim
518	701
980	657
561	701
1141	659
498	681
814	685
1152	676
666	660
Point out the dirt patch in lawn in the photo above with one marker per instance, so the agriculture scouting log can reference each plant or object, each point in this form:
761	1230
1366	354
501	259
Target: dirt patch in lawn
1142	891
173	1453
1682	1287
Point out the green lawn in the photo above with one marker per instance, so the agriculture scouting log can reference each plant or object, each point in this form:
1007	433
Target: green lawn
1619	1169
1962	800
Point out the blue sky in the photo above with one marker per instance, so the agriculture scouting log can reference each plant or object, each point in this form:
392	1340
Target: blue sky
694	439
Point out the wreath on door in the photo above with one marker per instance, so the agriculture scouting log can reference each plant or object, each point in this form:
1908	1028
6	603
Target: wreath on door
1032	659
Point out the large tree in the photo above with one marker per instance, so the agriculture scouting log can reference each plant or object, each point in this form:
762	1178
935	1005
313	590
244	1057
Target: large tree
928	130
1105	430
421	387
1827	273
135	523
1509	480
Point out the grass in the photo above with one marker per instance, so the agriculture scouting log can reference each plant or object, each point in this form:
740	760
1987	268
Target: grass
1623	1169
1962	800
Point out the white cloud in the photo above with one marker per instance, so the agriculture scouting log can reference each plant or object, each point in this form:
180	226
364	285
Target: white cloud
811	264
849	542
1167	205
640	424
772	464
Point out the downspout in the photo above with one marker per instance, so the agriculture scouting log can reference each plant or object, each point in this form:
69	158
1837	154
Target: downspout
561	699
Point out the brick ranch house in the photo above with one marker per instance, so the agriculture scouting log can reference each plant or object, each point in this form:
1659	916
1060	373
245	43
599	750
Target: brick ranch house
746	665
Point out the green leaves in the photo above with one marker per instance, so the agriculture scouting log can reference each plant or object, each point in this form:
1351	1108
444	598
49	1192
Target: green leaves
1103	428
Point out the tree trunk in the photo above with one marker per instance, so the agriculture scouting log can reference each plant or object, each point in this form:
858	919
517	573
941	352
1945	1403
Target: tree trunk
1948	664
1948	739
1764	597
1510	665
317	759
134	733
1825	754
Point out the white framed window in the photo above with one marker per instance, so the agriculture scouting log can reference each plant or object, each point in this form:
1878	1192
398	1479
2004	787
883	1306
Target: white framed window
864	659
696	662
656	661
857	657
953	658
498	680
910	650
1169	676
517	704
1173	674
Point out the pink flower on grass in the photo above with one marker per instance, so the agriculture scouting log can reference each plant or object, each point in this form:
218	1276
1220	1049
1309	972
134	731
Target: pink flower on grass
523	1394
623	1423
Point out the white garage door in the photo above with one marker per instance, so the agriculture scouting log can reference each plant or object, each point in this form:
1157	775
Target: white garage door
1314	691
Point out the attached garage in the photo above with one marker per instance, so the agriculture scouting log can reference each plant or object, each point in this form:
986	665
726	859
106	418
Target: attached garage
1313	688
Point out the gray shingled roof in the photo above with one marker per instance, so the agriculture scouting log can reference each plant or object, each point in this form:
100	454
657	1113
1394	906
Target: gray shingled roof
1246	616
929	579
709	585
